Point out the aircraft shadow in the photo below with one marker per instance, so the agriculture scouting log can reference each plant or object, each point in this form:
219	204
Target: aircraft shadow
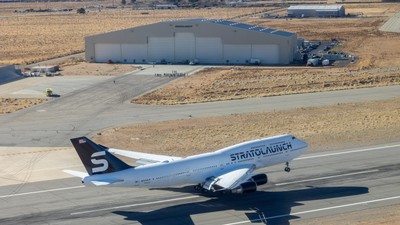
266	207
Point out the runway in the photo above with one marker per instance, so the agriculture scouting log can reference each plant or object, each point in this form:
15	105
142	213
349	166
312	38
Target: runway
319	185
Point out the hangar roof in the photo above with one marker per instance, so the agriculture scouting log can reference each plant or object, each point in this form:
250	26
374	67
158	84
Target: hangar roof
317	7
238	25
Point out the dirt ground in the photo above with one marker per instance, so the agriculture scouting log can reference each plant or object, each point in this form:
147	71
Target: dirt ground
377	64
34	37
374	216
9	105
95	69
325	128
217	84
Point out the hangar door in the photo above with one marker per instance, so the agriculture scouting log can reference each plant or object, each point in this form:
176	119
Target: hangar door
237	54
184	47
161	48
267	54
105	52
209	50
134	53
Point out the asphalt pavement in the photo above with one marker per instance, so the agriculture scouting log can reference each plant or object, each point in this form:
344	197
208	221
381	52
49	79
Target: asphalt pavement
107	104
319	185
392	24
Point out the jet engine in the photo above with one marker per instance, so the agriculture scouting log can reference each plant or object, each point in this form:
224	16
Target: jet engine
245	188
260	179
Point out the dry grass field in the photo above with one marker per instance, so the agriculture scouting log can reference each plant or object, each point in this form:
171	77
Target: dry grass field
218	84
360	36
9	105
325	128
352	124
95	69
33	37
369	216
378	63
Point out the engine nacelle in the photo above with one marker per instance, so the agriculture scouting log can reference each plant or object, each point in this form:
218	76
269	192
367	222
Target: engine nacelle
260	179
245	188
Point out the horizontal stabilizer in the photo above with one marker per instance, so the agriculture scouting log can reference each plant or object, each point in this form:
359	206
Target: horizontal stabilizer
76	173
145	161
100	183
105	182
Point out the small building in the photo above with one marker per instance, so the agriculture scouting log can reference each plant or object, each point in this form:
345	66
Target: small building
166	7
301	11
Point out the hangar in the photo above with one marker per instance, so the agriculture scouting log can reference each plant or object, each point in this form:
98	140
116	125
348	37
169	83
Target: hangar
204	41
316	11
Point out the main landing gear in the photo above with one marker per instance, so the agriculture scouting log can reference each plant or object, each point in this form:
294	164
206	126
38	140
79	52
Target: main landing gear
287	168
198	188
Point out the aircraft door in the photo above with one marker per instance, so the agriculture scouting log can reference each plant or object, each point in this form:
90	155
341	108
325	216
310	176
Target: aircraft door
221	165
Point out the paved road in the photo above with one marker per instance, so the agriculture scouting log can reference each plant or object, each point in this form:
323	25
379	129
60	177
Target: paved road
75	113
319	184
106	104
392	25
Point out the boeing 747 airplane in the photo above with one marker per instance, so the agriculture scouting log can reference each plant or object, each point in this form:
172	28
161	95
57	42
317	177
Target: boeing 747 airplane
228	170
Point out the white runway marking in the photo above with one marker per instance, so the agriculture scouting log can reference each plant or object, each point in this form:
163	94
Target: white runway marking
328	177
348	152
314	210
133	205
38	192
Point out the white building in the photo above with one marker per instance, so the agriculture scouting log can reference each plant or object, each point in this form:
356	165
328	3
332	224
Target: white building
207	41
316	11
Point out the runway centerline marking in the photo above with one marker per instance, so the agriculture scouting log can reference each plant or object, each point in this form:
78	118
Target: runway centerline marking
314	210
327	177
137	204
347	152
38	192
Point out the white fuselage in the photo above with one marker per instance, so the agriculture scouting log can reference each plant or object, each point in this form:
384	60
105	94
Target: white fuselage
196	169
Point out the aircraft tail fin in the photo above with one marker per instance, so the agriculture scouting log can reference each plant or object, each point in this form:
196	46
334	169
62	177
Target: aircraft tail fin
96	158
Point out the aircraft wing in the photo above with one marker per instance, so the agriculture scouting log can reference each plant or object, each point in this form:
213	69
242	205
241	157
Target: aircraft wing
230	179
143	158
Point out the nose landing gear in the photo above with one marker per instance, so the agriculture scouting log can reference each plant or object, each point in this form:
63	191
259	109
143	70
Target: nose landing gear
287	168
